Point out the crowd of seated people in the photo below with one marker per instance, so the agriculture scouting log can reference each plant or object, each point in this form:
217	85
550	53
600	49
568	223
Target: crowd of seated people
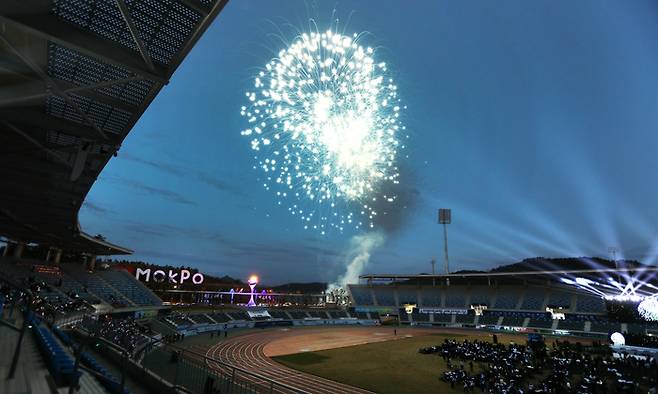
46	302
565	368
125	332
641	340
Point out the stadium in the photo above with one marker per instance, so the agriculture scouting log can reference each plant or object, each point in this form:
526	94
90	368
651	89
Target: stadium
78	316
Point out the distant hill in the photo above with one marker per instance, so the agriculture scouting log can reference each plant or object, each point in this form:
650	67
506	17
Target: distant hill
302	288
565	264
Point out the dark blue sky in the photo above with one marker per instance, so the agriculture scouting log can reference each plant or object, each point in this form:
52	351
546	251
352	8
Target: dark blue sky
536	122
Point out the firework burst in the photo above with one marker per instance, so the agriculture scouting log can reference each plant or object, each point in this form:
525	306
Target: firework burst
324	123
648	309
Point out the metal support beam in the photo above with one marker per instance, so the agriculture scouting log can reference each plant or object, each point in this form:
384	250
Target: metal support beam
52	84
141	46
22	117
23	72
50	28
33	92
194	37
197	6
36	143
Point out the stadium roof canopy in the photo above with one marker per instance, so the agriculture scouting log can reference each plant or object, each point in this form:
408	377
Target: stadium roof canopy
76	75
556	273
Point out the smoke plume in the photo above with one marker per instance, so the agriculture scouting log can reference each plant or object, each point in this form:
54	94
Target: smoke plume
358	256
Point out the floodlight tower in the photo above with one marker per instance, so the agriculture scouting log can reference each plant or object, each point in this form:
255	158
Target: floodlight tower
613	251
433	262
445	219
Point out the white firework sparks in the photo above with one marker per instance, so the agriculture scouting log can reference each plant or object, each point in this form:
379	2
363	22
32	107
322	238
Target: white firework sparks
648	309
324	121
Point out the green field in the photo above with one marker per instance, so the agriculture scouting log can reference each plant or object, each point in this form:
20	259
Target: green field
384	367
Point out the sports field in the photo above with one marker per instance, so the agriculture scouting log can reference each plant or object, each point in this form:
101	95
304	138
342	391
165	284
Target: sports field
393	366
328	360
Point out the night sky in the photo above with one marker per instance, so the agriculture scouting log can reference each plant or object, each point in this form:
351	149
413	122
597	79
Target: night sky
536	122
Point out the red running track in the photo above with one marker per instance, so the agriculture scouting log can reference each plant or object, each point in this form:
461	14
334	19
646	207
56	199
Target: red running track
247	352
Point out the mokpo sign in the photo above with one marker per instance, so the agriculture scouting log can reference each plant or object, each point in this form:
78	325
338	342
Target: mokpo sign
170	276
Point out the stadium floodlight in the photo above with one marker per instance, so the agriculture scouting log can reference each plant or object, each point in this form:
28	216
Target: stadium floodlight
613	251
445	218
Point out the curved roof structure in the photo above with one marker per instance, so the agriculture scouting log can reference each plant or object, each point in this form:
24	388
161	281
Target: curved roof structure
76	75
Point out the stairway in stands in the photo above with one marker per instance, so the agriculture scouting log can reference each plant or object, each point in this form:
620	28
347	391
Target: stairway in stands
31	374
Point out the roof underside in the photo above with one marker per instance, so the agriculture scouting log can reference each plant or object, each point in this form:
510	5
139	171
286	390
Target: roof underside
76	75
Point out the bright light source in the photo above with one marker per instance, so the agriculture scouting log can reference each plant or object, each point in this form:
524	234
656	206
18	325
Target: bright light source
324	124
618	339
253	279
648	309
583	281
624	298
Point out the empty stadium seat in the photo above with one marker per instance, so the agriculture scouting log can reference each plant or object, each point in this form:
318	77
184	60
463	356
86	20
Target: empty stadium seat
431	297
407	296
465	319
59	362
384	296
590	304
558	298
533	299
455	298
506	298
361	295
481	296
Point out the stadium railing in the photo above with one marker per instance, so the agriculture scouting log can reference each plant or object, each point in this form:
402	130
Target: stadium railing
200	374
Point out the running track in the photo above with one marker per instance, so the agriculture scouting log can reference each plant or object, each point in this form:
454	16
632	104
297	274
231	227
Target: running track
247	352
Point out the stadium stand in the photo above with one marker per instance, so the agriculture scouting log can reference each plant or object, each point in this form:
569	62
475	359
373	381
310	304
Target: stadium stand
361	295
403	316
533	299
514	319
590	304
455	300
124	332
407	296
59	362
540	320
440	318
571	324
420	317
636	328
94	284
362	315
64	286
507	298
465	319
604	327
337	314
384	296
298	314
318	314
559	299
132	289
279	315
489	319
480	295
430	297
